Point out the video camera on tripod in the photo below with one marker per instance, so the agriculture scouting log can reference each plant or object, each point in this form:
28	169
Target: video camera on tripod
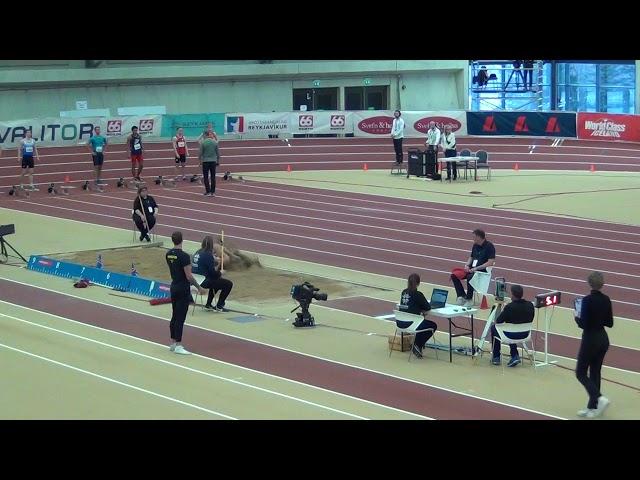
304	294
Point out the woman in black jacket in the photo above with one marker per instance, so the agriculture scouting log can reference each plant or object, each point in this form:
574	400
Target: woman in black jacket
595	313
206	263
413	301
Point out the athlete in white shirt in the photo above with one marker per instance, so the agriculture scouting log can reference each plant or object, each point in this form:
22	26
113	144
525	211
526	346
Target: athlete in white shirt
397	133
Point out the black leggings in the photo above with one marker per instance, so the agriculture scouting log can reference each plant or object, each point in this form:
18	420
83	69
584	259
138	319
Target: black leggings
217	284
451	165
593	348
180	298
397	146
140	224
209	168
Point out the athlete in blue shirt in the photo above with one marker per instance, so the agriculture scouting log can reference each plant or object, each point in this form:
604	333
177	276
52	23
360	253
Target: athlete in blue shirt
98	145
26	153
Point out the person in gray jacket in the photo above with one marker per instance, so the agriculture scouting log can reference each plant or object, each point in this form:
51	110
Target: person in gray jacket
209	159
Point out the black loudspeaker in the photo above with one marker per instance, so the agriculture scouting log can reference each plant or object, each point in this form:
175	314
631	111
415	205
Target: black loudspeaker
415	163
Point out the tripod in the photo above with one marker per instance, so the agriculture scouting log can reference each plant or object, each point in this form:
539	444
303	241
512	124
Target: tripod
303	318
4	255
519	71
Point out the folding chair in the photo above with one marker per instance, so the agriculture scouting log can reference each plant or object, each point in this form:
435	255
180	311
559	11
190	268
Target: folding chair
505	335
412	329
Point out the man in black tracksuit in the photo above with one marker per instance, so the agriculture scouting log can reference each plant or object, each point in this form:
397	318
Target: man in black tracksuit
595	314
517	312
179	264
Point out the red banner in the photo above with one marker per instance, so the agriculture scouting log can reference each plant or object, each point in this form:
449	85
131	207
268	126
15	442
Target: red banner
611	127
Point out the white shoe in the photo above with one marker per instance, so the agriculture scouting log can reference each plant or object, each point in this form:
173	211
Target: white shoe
172	347
181	350
468	303
460	301
585	412
603	403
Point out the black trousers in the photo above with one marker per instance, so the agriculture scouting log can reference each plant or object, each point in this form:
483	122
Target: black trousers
460	289
140	224
215	284
397	146
593	348
496	344
209	168
180	298
451	165
423	337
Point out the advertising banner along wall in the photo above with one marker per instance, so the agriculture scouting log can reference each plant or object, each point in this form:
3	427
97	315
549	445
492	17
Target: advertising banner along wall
605	126
377	123
53	131
192	123
534	124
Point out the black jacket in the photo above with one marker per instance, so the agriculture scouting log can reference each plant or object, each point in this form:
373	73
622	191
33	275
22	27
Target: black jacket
518	311
596	312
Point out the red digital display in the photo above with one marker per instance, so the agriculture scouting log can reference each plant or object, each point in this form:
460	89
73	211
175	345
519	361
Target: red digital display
547	299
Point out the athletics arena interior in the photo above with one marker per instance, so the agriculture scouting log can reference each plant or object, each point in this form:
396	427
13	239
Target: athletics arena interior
329	210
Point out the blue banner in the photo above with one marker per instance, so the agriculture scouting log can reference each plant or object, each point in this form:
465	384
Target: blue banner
193	123
117	281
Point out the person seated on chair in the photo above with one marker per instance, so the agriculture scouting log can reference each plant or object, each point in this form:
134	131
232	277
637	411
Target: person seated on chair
144	214
518	311
413	301
483	76
207	264
483	255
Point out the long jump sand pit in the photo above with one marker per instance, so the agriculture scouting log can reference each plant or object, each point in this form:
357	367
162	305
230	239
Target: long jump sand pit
253	285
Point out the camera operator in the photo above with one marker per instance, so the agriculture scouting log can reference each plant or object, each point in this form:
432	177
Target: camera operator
207	264
413	301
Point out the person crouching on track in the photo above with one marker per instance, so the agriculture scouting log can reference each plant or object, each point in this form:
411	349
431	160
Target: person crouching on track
413	301
207	264
145	210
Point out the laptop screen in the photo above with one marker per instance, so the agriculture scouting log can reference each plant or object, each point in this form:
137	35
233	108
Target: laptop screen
438	298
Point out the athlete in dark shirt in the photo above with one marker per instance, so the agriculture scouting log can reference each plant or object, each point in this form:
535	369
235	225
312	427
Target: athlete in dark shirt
179	264
595	314
483	255
204	263
413	301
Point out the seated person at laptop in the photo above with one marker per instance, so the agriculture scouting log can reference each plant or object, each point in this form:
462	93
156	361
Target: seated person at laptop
412	301
518	311
483	255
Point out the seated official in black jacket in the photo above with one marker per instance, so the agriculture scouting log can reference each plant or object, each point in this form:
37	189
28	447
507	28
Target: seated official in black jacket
518	311
144	214
205	263
413	301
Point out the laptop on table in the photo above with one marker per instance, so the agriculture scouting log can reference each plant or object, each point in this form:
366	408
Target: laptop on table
439	298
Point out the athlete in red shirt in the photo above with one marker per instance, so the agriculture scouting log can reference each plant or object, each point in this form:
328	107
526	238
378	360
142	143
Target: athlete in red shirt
181	150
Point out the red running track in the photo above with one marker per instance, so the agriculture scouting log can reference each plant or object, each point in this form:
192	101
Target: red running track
382	235
325	154
384	389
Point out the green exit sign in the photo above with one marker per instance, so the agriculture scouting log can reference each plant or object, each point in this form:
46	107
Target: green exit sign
367	81
316	83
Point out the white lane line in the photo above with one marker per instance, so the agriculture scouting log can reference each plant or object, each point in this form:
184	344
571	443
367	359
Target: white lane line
313	387
117	382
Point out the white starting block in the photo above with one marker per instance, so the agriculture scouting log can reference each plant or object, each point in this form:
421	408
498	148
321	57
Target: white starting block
62	189
93	187
21	191
196	179
167	182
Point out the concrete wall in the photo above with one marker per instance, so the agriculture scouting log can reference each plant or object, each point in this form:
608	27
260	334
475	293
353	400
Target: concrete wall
44	88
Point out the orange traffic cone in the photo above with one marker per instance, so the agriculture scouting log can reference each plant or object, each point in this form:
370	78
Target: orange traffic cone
483	304
516	167
365	168
592	169
289	168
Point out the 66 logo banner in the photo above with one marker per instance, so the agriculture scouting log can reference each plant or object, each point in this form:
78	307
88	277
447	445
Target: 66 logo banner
149	126
322	122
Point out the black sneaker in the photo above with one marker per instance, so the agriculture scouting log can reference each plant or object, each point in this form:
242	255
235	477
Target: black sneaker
495	361
514	362
141	237
147	238
210	308
221	309
416	351
206	194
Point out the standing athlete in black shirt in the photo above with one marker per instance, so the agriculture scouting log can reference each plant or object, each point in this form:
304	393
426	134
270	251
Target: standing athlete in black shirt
179	264
412	301
595	314
483	255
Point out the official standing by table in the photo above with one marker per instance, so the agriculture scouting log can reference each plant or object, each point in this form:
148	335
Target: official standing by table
449	147
432	143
